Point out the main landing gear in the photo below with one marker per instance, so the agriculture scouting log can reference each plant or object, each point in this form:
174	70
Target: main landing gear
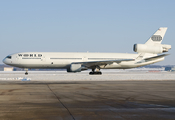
95	72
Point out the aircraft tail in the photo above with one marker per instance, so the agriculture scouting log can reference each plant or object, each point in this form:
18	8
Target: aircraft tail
157	37
153	46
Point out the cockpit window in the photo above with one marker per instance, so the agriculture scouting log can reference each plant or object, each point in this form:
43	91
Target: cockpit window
9	57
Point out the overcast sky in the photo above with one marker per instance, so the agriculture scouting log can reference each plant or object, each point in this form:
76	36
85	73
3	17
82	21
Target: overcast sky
83	25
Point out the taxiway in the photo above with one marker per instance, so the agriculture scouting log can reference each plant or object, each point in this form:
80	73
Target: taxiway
87	100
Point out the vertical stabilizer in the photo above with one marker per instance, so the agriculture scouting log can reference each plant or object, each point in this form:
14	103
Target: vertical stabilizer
157	37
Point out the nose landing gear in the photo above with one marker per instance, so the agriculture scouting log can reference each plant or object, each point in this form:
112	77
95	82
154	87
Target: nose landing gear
26	73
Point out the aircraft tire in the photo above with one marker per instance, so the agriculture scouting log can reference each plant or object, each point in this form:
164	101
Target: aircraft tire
95	73
91	73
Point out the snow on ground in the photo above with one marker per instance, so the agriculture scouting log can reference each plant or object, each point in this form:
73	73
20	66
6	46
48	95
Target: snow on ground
84	76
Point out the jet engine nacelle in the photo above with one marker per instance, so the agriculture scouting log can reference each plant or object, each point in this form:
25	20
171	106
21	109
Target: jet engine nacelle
74	68
156	49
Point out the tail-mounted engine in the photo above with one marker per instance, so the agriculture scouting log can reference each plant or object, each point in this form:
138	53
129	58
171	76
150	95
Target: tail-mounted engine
156	49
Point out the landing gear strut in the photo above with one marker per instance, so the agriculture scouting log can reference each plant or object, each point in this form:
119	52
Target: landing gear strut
95	72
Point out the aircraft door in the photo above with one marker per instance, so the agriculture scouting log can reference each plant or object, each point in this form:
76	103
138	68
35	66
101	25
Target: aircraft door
43	59
85	58
17	59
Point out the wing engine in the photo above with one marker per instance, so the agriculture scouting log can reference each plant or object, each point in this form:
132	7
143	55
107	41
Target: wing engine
76	68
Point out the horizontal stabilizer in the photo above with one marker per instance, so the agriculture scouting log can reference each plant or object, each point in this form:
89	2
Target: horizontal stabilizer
156	57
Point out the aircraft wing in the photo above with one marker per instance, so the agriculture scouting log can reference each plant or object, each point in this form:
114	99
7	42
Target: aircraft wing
103	62
156	57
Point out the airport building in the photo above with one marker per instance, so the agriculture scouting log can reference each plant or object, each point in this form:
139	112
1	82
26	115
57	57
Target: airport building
8	68
171	69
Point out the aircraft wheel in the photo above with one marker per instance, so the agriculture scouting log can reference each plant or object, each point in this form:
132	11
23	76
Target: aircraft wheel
91	73
95	73
26	73
99	73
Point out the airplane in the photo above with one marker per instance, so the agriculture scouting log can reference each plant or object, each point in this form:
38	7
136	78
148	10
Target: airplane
147	53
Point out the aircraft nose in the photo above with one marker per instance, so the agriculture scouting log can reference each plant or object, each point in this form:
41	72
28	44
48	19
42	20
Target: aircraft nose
4	61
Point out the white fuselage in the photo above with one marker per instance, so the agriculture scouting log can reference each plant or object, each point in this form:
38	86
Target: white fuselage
76	62
61	60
